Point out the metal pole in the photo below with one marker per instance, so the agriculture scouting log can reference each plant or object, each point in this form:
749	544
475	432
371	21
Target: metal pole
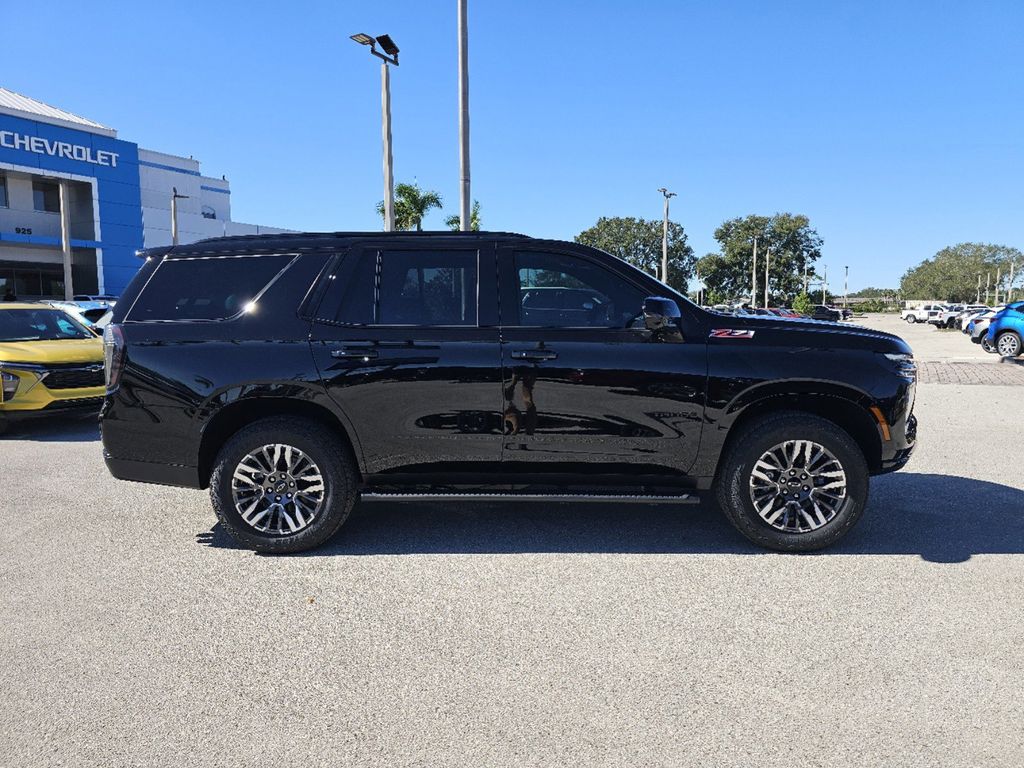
988	285
174	215
846	289
389	178
1009	288
753	278
664	245
65	237
465	223
978	299
999	271
767	263
805	277
824	285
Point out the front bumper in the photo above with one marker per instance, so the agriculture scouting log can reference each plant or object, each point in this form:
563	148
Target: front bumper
49	388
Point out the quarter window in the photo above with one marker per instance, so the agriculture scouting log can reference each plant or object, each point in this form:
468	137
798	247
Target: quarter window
211	288
560	291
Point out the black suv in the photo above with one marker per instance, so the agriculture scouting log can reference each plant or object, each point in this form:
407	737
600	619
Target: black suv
294	374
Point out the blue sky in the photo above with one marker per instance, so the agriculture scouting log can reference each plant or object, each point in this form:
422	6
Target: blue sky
896	126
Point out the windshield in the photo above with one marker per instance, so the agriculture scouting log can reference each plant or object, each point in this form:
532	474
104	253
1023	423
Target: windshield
43	324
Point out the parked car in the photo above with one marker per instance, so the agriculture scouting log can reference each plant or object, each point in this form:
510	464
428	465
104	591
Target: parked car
822	312
784	312
104	298
969	313
978	329
88	312
49	362
945	318
294	374
921	314
1005	331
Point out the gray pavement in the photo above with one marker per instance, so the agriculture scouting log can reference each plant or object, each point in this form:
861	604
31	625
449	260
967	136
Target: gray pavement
133	633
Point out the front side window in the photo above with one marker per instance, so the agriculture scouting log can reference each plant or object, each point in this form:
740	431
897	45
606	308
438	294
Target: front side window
206	288
556	290
427	288
46	196
40	325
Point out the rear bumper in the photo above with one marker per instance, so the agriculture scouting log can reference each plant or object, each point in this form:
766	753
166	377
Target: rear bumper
151	472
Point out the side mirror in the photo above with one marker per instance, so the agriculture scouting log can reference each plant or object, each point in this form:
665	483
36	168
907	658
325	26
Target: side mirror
660	313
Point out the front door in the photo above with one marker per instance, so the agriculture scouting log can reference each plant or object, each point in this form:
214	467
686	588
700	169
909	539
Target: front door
406	352
586	387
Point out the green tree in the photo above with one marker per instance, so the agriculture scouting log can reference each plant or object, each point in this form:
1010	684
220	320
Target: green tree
638	242
793	245
803	304
411	205
952	273
454	222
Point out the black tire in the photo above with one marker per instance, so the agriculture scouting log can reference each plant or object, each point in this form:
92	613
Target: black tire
337	468
734	476
1008	344
911	319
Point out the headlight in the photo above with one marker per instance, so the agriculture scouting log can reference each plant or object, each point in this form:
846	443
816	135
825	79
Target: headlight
8	385
905	366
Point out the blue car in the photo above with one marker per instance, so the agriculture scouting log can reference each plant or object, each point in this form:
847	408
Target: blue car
1006	331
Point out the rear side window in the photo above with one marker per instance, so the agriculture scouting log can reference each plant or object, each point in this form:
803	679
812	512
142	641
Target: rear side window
206	288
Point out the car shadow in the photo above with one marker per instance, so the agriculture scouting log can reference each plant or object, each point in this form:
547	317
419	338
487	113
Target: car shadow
942	518
55	429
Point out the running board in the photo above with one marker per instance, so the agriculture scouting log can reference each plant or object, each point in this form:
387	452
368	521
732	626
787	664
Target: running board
577	498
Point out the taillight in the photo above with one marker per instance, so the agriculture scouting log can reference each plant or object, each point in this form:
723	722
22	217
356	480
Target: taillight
113	356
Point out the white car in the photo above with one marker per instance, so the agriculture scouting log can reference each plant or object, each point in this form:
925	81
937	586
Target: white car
921	314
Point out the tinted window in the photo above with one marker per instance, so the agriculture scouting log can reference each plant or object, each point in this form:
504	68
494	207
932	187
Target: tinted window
351	293
205	288
427	288
561	291
46	196
3	191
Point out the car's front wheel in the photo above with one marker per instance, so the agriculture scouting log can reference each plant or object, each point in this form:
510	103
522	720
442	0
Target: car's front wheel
283	485
793	482
1008	344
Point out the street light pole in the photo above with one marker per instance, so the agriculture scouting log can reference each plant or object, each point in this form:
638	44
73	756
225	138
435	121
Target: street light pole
753	277
767	264
175	197
391	57
846	288
824	286
978	299
664	236
465	216
389	178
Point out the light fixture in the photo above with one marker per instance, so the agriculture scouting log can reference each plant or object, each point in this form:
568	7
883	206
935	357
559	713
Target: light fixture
363	39
388	45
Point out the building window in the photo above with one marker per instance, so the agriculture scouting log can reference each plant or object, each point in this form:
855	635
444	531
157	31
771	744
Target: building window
3	191
46	196
209	213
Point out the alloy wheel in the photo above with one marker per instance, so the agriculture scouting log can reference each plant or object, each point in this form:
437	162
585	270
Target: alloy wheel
1008	345
798	486
277	489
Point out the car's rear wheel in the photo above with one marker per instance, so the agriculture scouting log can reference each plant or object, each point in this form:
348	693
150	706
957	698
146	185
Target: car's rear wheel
911	319
793	482
1008	344
283	485
986	344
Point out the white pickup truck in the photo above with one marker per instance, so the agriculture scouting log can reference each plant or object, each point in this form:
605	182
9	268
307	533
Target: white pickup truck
921	314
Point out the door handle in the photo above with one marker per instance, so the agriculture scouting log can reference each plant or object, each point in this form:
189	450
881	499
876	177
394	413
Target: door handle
363	353
533	354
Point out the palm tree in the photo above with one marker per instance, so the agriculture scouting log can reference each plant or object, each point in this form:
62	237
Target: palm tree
455	222
411	205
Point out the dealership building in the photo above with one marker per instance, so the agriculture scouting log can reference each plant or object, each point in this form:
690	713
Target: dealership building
77	202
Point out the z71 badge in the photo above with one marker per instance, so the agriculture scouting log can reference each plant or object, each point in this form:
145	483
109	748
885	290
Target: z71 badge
731	333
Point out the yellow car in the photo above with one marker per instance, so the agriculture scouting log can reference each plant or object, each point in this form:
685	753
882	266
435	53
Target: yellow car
49	361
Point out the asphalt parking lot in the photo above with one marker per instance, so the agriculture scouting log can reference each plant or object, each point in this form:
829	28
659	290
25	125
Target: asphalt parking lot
132	632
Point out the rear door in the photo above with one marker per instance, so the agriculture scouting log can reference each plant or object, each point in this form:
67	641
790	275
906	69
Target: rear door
586	388
406	340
